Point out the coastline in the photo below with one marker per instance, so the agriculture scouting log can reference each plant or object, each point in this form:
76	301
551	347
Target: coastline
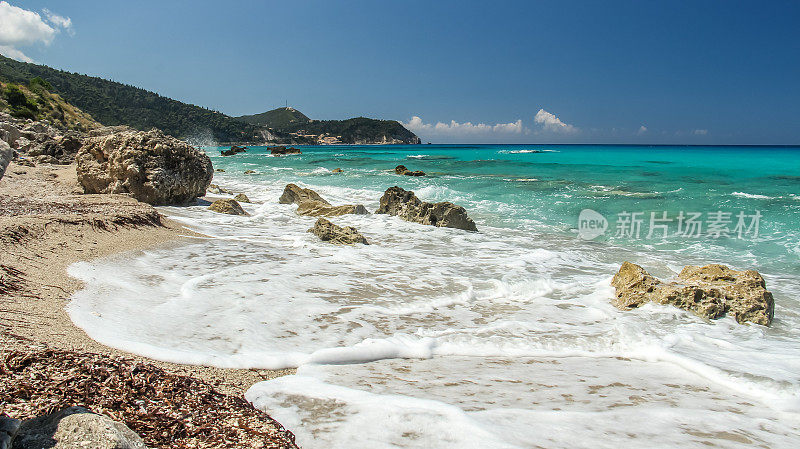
35	315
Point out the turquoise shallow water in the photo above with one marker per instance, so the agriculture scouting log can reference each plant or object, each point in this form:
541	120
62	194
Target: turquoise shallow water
436	337
546	187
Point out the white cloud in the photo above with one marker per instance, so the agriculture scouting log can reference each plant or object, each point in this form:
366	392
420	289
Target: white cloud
551	123
13	53
21	28
642	130
59	21
700	132
454	128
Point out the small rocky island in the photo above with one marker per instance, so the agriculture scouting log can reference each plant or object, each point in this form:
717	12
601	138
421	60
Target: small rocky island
282	150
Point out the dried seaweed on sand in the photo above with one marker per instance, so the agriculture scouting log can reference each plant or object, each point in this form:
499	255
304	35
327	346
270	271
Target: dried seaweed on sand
166	410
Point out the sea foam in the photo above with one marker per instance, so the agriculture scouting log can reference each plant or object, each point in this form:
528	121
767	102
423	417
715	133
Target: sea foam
438	337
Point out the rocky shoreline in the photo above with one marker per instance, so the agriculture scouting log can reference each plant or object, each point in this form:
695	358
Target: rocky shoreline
48	222
54	212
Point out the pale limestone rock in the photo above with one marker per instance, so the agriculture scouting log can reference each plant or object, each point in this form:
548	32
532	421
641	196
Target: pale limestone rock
711	292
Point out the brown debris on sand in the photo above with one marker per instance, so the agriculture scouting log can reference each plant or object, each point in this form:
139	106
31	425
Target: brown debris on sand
166	410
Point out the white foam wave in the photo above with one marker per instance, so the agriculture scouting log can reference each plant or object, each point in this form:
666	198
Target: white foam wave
752	196
443	305
519	151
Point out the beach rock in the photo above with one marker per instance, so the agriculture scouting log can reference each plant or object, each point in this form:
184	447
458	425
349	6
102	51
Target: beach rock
227	206
9	427
62	148
39	138
76	427
220	170
213	188
712	291
315	209
152	167
406	205
311	204
402	170
336	170
329	232
293	194
249	172
9	133
23	145
234	150
109	130
46	159
242	198
6	155
282	150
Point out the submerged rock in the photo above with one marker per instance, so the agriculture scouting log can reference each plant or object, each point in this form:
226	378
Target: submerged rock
152	167
711	292
76	427
227	206
242	198
406	205
234	150
402	170
336	170
310	203
249	172
214	188
329	232
282	150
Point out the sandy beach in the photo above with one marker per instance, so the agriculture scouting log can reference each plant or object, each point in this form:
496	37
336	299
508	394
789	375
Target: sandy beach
46	225
41	245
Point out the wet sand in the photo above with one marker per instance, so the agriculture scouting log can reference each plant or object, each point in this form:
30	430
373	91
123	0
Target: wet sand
45	226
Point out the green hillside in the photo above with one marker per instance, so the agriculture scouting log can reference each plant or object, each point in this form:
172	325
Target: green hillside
276	118
112	103
357	130
293	124
35	101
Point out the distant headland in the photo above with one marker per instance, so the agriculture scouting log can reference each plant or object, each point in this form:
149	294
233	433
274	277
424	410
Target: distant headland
111	103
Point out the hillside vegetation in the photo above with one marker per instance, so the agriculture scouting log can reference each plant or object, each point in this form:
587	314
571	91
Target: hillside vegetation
357	130
276	118
293	126
35	101
113	103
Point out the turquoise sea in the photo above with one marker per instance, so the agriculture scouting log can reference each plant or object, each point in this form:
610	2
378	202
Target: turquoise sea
433	337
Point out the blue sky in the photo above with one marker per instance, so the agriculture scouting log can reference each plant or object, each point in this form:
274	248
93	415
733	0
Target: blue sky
703	72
